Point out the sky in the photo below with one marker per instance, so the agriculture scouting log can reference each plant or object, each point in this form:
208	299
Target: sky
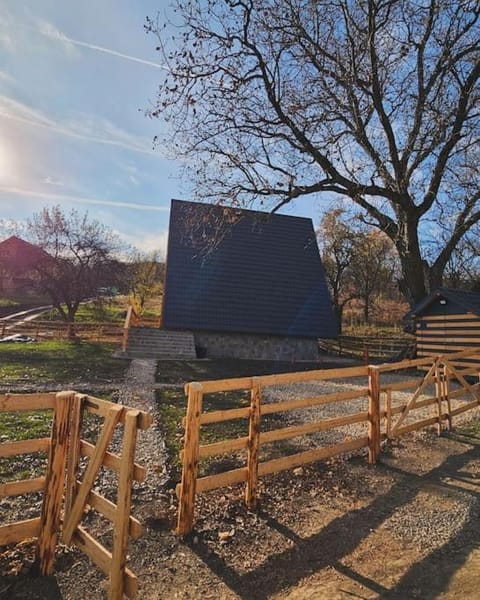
75	80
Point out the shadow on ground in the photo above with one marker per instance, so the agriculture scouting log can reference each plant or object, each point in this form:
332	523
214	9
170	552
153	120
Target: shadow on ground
425	579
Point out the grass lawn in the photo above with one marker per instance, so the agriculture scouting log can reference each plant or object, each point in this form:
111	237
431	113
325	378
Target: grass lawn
60	362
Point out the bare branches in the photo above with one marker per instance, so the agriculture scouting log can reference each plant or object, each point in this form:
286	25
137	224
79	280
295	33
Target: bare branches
377	101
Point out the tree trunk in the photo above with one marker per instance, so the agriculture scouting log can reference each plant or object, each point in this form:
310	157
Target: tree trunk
414	281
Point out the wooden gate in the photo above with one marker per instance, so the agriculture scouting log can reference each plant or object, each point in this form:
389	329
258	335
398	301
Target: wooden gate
73	467
442	373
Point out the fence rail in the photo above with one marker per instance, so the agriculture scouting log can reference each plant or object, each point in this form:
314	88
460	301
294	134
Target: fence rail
370	347
68	489
385	416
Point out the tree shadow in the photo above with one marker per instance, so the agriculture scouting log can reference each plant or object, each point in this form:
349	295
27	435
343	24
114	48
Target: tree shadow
25	587
345	533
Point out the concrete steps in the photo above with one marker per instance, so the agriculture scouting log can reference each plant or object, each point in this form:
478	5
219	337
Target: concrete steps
152	342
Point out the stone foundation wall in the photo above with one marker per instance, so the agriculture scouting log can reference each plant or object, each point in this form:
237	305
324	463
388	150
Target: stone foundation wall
244	345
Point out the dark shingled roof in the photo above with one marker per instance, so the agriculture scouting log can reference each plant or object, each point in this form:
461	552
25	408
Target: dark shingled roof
466	300
263	276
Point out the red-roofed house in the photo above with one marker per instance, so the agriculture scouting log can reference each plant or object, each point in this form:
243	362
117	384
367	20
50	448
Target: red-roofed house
18	260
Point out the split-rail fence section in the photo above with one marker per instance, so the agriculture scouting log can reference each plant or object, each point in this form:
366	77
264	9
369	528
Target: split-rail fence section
383	416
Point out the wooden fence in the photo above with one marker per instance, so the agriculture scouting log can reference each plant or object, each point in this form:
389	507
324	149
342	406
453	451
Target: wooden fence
390	410
370	347
73	466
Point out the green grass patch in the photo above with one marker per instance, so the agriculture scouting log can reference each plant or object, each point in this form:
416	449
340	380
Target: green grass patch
59	362
23	425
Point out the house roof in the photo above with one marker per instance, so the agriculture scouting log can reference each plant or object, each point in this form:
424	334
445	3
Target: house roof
19	255
263	274
469	301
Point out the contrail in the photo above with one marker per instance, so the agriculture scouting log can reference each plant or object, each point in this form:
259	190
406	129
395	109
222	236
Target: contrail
53	33
80	199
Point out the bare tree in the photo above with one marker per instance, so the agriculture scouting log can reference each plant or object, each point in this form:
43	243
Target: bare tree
375	100
81	257
336	240
360	262
145	277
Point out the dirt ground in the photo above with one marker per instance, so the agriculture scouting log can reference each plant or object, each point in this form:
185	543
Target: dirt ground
406	528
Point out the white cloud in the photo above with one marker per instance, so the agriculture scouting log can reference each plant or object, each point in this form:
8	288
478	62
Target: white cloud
82	126
51	181
81	200
147	242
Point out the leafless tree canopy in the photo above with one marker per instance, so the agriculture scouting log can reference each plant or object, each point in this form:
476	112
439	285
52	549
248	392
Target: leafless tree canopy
80	257
375	100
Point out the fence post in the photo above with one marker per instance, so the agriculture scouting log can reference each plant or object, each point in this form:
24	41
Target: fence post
55	479
374	435
124	499
253	444
186	506
446	395
439	397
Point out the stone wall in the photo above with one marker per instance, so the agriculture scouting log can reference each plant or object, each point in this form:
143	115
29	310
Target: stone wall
244	345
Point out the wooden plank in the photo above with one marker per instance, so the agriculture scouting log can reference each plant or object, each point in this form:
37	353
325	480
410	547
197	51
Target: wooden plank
426	339
417	425
441	348
74	453
286	433
190	460
461	391
439	398
101	407
112	461
302	458
404	364
472	389
446	395
401	385
411	403
108	510
388	412
315	401
91	472
373	414
102	558
221	447
211	482
52	498
216	416
245	383
396	410
460	317
14	402
17	532
24	447
461	409
124	500
23	486
253	445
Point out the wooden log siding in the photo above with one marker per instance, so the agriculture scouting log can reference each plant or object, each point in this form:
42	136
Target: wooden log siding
62	489
441	334
379	418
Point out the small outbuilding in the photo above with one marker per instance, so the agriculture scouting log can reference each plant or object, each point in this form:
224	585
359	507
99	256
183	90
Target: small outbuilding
247	284
446	321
